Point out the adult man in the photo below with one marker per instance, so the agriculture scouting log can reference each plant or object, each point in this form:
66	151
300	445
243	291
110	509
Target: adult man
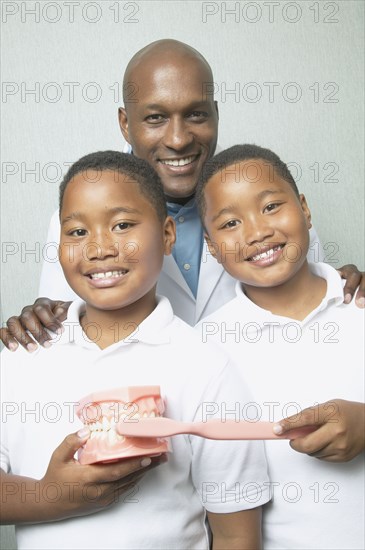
170	119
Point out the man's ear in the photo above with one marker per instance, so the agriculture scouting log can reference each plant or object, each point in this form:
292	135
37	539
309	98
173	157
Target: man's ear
123	123
212	247
169	234
306	211
216	108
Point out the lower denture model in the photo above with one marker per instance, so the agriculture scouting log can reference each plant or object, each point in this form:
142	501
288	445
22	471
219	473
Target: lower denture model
101	411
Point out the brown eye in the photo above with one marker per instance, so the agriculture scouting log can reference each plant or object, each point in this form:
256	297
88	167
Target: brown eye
231	223
78	232
122	226
198	115
270	207
154	118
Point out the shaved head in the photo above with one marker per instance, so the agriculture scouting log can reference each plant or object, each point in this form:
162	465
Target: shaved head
169	116
164	52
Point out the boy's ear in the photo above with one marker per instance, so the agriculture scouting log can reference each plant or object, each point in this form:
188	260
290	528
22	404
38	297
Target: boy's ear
123	123
169	234
305	208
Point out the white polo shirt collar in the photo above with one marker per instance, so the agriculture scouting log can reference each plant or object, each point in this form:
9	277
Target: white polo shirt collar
334	295
154	330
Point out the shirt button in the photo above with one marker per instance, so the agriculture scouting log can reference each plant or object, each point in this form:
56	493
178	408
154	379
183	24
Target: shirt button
181	219
187	267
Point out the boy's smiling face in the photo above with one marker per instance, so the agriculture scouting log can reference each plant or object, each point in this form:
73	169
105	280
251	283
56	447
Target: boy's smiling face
257	226
112	240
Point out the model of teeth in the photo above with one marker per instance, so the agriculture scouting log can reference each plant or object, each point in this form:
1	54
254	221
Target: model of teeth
107	274
178	162
101	411
265	254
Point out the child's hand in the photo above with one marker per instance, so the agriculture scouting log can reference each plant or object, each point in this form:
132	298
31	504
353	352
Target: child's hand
340	436
86	489
74	489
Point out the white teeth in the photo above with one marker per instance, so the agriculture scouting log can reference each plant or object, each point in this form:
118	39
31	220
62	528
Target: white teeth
106	425
266	254
107	274
106	428
178	162
112	436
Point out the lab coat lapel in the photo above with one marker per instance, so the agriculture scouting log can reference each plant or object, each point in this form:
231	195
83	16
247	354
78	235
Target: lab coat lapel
210	273
171	269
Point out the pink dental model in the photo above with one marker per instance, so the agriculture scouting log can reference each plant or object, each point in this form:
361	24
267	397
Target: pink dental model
101	411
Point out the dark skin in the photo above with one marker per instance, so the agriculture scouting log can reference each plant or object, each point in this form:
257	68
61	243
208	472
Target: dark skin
340	433
186	129
112	481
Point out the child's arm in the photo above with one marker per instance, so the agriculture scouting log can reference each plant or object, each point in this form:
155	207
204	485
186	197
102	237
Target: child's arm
74	489
236	531
340	436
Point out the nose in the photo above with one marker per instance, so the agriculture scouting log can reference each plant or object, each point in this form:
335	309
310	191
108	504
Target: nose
101	246
257	229
177	135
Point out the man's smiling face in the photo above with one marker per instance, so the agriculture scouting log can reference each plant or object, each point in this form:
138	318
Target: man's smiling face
172	122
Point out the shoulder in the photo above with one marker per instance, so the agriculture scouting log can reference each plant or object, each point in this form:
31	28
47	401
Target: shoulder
335	284
190	342
349	312
207	363
17	367
230	310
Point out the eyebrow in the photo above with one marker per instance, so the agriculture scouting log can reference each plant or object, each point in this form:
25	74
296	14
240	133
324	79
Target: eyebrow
192	105
266	192
226	210
115	210
229	209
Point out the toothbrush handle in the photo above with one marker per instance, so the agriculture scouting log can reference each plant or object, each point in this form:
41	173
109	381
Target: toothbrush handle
212	429
230	429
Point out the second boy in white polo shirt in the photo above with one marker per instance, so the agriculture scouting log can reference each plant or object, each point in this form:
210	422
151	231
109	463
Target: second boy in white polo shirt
291	335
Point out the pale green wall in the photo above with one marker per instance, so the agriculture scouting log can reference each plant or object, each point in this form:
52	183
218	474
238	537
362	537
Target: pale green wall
315	49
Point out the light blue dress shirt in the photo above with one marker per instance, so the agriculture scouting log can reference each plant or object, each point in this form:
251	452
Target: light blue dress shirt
189	241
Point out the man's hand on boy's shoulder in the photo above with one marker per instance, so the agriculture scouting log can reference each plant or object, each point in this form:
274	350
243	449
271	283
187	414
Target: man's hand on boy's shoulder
33	320
49	314
355	279
340	435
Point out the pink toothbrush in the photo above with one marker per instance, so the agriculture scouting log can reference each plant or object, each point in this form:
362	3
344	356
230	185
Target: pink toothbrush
211	429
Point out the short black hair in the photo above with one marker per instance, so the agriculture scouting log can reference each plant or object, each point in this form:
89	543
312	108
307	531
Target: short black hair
136	170
238	154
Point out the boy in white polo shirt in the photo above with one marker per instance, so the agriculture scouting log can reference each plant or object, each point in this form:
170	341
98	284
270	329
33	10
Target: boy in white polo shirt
114	234
292	335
